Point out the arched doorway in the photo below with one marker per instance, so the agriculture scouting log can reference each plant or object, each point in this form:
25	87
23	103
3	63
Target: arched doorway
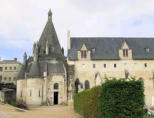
56	86
87	84
77	82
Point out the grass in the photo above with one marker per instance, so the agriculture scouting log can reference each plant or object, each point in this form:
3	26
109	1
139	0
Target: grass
148	116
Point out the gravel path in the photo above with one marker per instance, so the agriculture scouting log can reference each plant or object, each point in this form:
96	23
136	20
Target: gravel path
7	111
5	115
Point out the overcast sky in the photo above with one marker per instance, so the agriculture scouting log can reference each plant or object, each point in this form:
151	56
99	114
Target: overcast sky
22	21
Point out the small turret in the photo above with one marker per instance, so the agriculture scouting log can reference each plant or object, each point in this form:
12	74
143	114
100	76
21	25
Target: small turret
36	53
62	50
25	58
34	45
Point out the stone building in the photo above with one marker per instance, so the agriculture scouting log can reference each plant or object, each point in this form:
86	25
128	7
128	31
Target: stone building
94	59
43	77
9	70
48	77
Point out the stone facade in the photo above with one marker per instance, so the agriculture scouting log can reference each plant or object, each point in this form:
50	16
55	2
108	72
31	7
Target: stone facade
90	72
9	70
50	78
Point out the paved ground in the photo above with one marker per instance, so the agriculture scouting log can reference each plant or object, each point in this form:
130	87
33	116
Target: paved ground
7	111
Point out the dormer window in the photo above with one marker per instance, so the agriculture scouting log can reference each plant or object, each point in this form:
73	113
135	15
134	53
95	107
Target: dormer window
83	54
125	52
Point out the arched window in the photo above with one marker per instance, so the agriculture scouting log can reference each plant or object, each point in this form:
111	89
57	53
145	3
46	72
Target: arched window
30	92
87	84
141	79
56	86
81	85
77	82
39	93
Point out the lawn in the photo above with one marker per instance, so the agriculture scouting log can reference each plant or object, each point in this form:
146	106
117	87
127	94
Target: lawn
148	116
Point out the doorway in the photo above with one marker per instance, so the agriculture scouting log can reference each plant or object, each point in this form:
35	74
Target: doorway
55	98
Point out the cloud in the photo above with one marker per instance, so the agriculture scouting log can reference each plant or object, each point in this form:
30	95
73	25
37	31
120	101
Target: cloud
22	21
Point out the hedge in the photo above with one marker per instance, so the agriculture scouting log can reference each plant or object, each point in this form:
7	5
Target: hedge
86	103
114	99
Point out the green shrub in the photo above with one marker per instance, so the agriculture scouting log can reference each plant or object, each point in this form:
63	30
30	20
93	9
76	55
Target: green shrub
86	103
114	99
122	99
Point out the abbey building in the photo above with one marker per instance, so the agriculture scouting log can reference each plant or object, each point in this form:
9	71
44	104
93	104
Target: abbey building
48	77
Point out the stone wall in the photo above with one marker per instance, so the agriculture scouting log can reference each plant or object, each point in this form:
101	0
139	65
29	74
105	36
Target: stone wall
85	70
10	71
31	90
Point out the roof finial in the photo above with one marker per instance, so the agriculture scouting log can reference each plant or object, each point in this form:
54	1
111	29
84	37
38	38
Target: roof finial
49	14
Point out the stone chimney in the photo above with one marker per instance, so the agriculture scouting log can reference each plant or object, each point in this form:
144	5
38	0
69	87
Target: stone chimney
15	59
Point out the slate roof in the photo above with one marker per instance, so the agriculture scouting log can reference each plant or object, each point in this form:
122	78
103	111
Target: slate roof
57	68
10	61
53	63
108	47
49	34
34	70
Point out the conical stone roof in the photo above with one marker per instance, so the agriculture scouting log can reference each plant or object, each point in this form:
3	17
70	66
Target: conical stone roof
49	35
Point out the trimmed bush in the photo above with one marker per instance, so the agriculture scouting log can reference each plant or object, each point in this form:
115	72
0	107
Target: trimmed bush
86	103
122	99
114	99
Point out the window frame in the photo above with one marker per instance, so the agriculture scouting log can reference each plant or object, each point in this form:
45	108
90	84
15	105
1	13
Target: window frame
94	65
145	65
125	52
83	54
115	65
104	65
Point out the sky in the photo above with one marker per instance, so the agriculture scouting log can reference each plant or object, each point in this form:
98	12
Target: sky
22	21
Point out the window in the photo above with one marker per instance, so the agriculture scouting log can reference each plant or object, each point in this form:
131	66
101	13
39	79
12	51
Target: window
125	52
141	79
14	78
30	92
145	65
15	68
77	82
9	78
5	68
39	93
83	54
87	85
104	65
21	94
81	85
115	65
10	68
1	68
94	65
56	86
5	78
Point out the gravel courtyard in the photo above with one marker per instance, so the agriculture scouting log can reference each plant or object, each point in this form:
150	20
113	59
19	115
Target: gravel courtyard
7	111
